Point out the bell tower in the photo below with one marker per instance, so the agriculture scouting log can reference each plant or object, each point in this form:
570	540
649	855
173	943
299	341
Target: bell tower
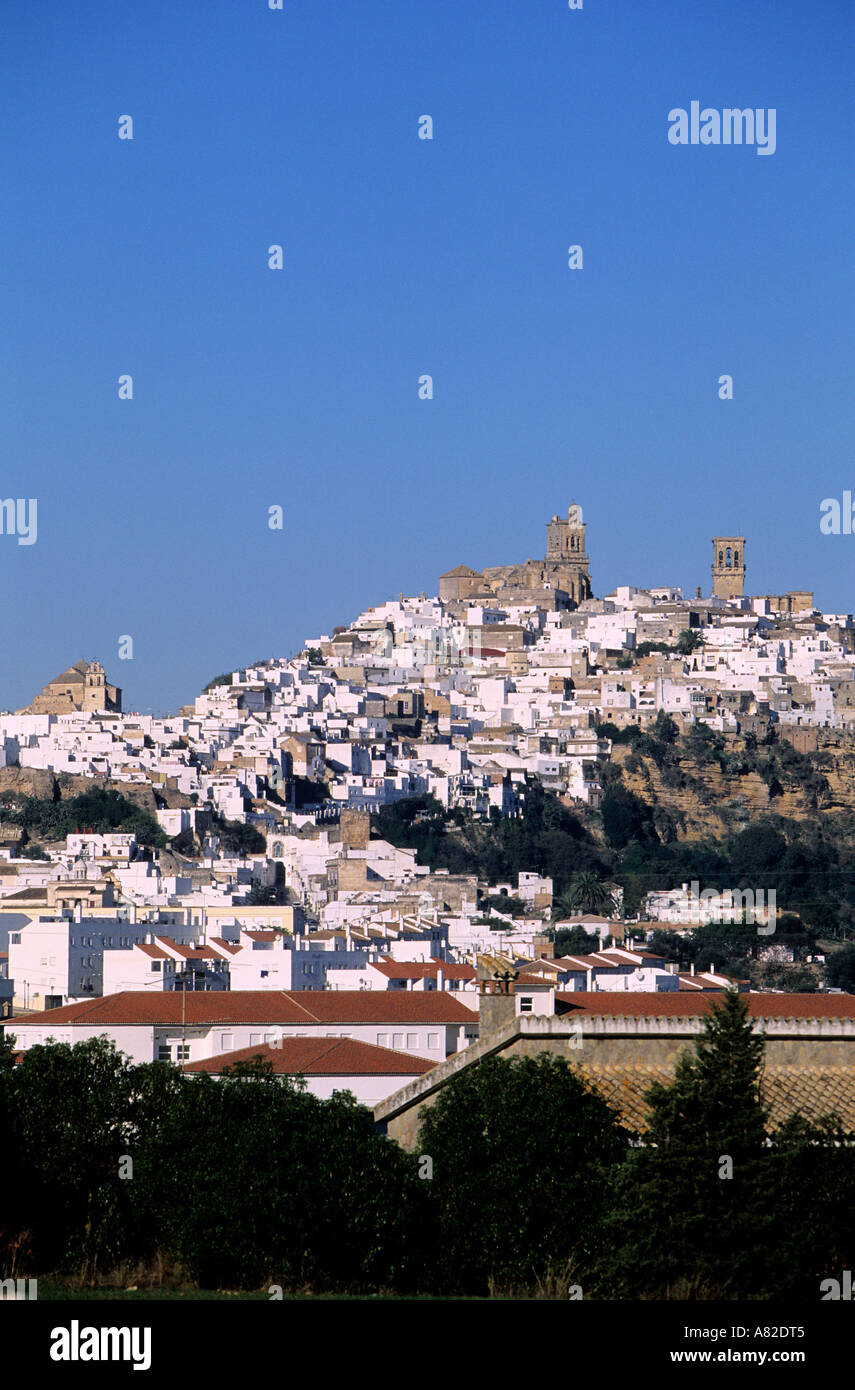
728	570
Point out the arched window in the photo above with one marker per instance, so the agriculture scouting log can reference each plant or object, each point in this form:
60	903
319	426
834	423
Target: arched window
720	559
728	558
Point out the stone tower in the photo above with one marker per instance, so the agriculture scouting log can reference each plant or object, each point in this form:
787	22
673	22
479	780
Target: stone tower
728	570
565	540
567	554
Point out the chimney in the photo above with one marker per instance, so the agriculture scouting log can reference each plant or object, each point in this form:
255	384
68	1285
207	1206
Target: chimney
693	968
497	1005
440	979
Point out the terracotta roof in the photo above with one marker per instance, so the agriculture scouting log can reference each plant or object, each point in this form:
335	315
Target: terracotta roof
322	1057
190	952
421	969
261	1006
675	1004
461	572
230	946
812	1091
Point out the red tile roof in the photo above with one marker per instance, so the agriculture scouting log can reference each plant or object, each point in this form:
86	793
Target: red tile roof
260	1006
420	970
676	1004
322	1057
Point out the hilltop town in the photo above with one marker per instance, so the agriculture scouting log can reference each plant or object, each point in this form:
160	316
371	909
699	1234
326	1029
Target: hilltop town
414	820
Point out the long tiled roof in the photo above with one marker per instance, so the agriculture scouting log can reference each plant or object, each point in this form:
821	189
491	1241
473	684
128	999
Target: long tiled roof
259	1006
812	1091
322	1057
675	1004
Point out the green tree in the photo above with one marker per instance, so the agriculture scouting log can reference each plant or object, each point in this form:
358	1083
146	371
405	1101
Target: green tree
714	1099
840	969
690	1214
521	1151
574	941
587	893
225	679
664	728
688	641
625	818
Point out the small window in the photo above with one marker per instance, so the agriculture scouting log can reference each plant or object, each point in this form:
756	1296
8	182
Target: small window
156	964
397	1040
164	1053
526	1004
412	1040
382	1039
433	1040
182	1052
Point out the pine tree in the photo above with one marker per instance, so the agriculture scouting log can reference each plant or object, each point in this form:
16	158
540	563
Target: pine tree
692	1214
714	1100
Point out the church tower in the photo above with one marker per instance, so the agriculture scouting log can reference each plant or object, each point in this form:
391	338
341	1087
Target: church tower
567	554
728	570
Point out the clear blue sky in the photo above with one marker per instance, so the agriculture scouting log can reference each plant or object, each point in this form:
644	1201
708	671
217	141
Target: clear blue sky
254	387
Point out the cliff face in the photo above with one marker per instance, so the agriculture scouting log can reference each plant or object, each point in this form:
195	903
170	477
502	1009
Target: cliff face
34	781
706	799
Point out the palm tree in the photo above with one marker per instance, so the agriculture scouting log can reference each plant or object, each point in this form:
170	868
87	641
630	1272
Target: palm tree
587	893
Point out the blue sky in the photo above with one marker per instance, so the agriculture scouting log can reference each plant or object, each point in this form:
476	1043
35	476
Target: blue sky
255	387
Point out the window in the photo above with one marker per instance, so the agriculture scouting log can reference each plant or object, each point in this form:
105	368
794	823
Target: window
433	1040
412	1040
182	1052
264	974
526	1004
382	1039
397	1040
164	1053
227	1041
156	964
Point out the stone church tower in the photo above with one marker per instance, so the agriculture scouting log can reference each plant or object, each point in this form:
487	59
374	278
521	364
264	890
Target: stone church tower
728	570
567	554
84	686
